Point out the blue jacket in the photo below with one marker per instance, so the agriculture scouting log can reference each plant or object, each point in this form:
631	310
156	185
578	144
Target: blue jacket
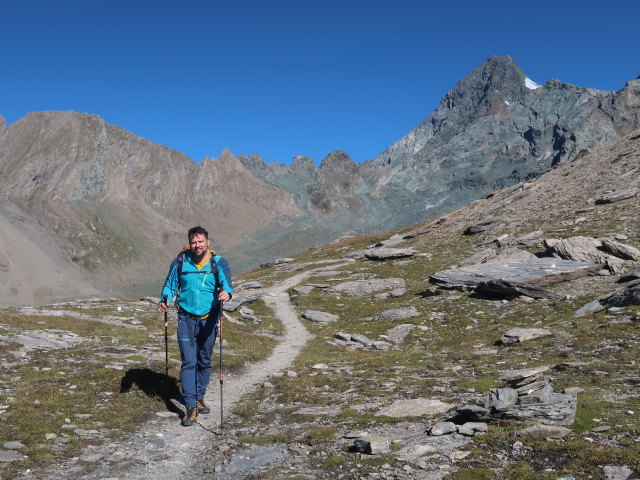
197	291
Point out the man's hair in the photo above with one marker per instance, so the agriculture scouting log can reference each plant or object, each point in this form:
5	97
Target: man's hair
197	231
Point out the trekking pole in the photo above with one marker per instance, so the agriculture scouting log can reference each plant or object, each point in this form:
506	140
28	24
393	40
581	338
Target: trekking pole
166	339
221	375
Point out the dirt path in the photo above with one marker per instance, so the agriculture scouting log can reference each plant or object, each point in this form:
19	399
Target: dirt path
164	449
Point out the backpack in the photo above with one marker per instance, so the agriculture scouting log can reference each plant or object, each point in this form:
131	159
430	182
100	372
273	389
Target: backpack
179	261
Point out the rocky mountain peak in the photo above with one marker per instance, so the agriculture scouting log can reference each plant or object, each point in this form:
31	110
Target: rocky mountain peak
301	162
338	160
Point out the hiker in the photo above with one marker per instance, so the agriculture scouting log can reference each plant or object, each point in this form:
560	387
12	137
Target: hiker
201	279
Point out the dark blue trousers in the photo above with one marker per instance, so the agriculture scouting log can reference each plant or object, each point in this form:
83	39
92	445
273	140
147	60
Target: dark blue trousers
196	338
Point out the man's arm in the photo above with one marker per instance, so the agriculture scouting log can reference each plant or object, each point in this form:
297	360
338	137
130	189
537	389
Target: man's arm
224	275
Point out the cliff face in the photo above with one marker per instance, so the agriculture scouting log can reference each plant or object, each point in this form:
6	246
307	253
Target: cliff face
116	206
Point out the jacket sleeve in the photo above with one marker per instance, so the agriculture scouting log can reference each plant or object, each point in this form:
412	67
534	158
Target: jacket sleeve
224	274
171	283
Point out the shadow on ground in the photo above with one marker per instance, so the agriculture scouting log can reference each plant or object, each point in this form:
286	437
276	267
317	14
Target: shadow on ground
154	385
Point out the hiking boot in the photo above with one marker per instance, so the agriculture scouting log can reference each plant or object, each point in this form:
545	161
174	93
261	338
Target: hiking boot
202	407
190	417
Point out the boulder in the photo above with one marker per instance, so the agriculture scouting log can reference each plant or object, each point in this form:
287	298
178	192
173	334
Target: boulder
501	399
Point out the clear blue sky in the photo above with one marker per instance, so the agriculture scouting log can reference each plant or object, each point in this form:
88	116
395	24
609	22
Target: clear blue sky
292	77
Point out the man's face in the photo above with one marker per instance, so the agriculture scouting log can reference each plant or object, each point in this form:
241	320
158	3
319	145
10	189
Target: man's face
199	244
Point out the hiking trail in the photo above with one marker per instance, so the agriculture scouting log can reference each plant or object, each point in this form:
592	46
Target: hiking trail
162	448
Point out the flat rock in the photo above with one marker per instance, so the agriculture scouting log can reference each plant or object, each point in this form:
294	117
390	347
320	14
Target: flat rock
419	450
396	314
328	411
248	285
386	253
544	431
345	337
614	472
399	333
355	434
517	335
483	226
629	277
517	376
415	408
620	250
507	289
398	292
469	429
532	271
239	299
303	289
46	339
442	428
378	444
321	317
475	412
361	339
583	249
629	295
556	409
617	196
8	456
15	445
381	345
369	286
591	307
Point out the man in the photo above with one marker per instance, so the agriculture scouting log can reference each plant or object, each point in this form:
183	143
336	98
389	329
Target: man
201	280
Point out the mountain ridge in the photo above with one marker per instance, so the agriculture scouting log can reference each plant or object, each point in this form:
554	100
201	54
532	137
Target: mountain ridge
116	203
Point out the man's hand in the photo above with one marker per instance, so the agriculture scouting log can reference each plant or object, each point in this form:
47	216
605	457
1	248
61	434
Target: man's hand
163	307
224	296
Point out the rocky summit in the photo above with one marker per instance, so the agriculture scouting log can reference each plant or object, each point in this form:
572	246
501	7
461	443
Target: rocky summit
97	209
